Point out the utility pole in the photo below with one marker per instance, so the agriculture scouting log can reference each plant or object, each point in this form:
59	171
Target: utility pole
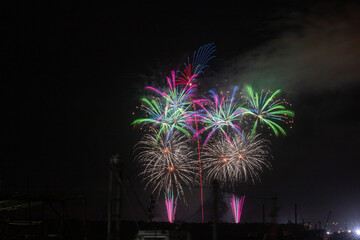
263	213
215	191
109	205
327	221
274	212
115	197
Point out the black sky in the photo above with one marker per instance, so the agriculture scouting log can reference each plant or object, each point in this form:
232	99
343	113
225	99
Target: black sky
72	75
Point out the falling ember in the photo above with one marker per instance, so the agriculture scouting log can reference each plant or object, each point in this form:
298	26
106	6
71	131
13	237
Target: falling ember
170	203
171	168
236	207
240	156
224	159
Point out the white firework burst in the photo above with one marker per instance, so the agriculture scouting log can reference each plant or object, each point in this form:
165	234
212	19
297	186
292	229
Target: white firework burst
236	162
168	164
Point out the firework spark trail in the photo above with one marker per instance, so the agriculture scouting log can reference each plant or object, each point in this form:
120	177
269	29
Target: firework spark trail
167	164
222	114
236	207
171	204
241	161
172	110
199	154
267	110
199	62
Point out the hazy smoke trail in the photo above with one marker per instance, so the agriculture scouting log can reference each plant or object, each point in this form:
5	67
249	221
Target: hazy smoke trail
322	53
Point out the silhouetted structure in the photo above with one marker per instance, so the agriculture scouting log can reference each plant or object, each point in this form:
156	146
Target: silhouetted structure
115	197
35	216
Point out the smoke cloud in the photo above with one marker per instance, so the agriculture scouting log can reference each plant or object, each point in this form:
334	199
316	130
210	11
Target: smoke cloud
320	50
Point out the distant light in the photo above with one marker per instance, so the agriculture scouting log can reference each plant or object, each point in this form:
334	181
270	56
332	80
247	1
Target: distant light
349	231
327	233
357	231
338	231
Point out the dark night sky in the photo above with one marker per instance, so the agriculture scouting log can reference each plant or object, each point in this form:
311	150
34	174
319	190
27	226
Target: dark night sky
72	75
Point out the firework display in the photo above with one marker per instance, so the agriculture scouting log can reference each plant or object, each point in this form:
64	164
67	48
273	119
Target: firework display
177	114
236	207
172	110
191	71
221	115
267	110
241	161
167	165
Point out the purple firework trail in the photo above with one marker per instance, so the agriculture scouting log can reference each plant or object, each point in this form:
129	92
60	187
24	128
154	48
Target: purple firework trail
171	204
236	207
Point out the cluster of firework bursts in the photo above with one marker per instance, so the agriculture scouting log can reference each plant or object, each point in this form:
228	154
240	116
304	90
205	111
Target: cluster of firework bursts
178	118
